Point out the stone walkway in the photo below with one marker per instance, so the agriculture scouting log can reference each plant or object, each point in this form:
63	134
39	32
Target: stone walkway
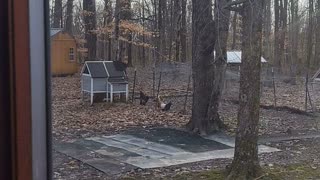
149	148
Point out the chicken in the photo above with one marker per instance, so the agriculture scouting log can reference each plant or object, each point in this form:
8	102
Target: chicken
143	98
162	105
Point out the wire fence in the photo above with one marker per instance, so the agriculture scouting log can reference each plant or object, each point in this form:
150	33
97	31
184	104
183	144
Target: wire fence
173	82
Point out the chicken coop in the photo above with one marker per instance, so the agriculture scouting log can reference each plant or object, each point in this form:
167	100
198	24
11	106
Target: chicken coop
103	77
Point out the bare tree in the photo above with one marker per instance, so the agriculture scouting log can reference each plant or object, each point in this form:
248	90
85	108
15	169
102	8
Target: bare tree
57	14
317	44
234	30
117	30
203	40
183	33
245	164
222	18
89	7
293	37
69	16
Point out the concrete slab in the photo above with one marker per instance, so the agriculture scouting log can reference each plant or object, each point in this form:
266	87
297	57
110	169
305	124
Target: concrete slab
147	144
178	139
152	148
129	147
189	158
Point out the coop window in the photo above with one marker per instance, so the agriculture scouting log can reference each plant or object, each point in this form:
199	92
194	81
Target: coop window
71	54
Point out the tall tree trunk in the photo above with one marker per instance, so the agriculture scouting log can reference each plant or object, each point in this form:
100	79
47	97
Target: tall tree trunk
57	14
89	6
143	36
267	31
276	56
130	50
283	48
203	40
171	29
117	30
69	18
310	35
183	34
107	19
317	44
294	34
222	18
177	29
245	164
234	30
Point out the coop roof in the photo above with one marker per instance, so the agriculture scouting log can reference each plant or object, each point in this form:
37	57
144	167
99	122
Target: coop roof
234	57
113	72
54	31
103	69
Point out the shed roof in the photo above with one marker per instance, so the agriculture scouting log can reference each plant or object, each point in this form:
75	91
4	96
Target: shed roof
234	57
54	31
103	69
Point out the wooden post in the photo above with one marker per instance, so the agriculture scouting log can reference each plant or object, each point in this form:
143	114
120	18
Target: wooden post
274	88
186	99
159	83
306	93
91	93
153	81
111	93
134	84
308	97
127	92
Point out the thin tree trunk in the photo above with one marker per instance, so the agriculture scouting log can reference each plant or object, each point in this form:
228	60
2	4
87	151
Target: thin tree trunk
89	6
177	29
143	36
171	30
184	32
69	18
310	35
267	31
317	44
203	41
117	30
234	30
57	14
245	164
222	18
276	56
294	34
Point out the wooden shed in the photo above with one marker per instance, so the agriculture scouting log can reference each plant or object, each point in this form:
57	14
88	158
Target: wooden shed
63	53
103	77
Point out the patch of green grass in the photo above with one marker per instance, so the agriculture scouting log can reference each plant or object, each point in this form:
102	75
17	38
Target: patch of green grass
292	172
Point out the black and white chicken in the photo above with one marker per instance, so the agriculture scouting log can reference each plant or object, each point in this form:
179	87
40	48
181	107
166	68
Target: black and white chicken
163	106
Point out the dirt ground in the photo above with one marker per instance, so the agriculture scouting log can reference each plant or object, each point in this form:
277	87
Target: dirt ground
74	118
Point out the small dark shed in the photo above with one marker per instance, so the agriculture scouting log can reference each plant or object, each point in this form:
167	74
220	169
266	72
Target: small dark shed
103	77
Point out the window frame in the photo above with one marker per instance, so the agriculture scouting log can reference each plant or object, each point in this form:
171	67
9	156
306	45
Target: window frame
72	54
26	107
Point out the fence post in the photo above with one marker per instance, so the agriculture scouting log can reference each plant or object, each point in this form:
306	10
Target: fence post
134	84
186	99
306	92
159	84
274	88
153	81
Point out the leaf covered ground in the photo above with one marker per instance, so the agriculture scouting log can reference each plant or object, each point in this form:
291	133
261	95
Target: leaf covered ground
75	118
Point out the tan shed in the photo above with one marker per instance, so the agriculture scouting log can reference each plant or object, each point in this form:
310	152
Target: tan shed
63	53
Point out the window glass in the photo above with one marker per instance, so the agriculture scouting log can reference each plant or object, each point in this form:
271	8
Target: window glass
71	54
